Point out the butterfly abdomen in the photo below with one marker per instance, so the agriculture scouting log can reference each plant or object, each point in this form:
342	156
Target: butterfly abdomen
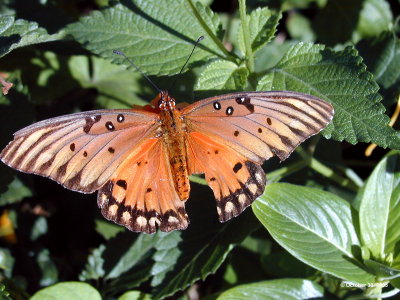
173	137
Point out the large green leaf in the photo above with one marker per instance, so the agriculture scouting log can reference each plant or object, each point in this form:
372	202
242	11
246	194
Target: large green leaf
20	33
314	226
290	289
67	291
340	78
379	207
157	35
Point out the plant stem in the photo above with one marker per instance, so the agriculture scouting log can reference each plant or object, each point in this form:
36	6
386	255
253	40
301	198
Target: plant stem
246	36
210	33
322	169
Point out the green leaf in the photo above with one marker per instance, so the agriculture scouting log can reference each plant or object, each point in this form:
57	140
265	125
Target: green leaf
118	83
135	295
375	18
6	261
383	272
16	191
314	226
185	257
107	229
48	269
275	289
39	228
158	38
341	79
4	294
94	268
222	75
67	291
263	24
20	33
379	207
132	255
382	56
299	27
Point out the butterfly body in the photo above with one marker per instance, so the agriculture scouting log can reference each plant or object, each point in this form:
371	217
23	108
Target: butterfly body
140	159
173	135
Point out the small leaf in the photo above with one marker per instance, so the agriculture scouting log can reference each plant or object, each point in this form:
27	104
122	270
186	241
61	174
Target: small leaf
263	24
107	229
4	294
299	28
275	289
47	267
158	38
67	291
94	268
314	226
379	207
382	271
375	18
341	79
20	33
222	75
6	261
16	191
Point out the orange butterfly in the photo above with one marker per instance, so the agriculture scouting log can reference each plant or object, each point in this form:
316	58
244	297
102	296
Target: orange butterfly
140	159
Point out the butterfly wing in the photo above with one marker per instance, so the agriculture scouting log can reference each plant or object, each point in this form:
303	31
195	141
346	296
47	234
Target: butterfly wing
141	194
230	136
80	151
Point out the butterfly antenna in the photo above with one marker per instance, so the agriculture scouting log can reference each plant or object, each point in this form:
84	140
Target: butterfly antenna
184	65
137	69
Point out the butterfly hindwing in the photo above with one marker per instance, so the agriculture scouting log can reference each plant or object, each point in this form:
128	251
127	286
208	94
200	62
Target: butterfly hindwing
141	194
235	180
80	151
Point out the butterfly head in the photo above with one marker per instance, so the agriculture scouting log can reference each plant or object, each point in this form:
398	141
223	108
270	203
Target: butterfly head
165	101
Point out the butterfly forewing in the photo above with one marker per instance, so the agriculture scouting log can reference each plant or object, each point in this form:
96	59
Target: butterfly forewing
260	124
80	150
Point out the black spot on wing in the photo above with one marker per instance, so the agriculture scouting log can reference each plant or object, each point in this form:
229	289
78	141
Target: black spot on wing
237	167
90	121
122	183
246	101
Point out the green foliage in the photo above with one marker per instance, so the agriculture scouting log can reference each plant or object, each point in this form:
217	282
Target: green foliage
324	232
275	289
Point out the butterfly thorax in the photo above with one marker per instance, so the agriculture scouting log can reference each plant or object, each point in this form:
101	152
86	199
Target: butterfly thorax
172	130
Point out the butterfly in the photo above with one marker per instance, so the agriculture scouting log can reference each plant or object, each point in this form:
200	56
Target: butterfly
140	159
